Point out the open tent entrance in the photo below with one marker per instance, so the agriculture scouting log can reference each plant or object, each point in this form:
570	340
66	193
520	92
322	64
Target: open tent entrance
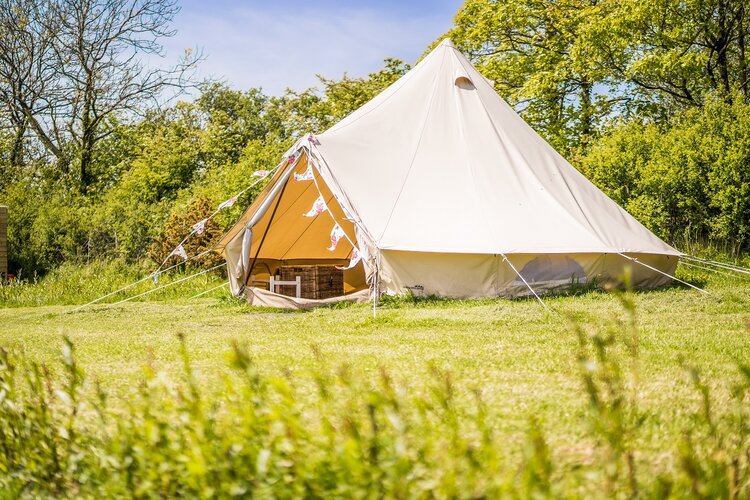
274	233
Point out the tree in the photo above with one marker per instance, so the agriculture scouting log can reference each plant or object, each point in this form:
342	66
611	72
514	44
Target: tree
68	67
673	53
532	50
315	111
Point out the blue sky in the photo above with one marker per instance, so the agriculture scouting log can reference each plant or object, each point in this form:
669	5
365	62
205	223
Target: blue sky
275	45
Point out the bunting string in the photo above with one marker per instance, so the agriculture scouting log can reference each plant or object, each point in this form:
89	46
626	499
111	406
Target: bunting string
200	226
337	233
197	228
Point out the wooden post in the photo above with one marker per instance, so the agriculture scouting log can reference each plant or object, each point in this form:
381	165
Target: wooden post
3	243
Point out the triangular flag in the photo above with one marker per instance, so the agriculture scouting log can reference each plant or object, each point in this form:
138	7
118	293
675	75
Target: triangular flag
200	227
180	251
356	257
291	158
156	276
311	138
306	176
318	207
228	203
336	234
260	173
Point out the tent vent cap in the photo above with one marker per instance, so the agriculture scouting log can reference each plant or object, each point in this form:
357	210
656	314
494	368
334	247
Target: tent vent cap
463	82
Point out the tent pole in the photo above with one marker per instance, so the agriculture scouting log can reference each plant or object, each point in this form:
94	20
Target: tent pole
375	288
662	272
505	258
265	233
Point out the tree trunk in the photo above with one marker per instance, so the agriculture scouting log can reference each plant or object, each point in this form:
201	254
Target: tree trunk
586	118
722	46
17	149
744	84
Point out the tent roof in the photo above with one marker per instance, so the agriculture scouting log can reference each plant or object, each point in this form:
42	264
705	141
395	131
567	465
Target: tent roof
438	162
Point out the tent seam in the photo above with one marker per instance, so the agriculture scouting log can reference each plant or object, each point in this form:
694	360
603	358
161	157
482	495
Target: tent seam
416	151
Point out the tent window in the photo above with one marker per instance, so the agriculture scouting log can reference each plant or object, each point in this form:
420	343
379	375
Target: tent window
553	268
463	82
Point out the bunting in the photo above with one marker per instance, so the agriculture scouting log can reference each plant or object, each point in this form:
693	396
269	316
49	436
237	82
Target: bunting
318	207
180	252
306	176
260	173
226	204
356	257
200	226
336	234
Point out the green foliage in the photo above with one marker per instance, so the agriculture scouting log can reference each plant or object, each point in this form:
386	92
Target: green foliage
538	55
181	224
312	111
147	174
687	181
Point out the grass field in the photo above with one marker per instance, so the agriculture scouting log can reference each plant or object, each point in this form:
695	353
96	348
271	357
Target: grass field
523	359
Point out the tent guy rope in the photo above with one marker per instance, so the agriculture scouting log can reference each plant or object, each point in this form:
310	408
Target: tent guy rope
150	276
662	272
713	270
722	265
147	292
208	291
505	258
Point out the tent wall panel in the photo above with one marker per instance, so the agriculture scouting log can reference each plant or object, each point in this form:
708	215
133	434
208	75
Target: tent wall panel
479	275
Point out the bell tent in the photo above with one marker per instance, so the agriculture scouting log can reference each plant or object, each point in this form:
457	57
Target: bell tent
437	186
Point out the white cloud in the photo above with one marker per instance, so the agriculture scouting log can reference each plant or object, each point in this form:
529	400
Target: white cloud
275	49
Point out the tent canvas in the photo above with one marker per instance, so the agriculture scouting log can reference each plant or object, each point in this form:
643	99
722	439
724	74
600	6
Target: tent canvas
444	190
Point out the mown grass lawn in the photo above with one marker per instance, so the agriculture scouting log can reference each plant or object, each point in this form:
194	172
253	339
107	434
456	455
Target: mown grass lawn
521	357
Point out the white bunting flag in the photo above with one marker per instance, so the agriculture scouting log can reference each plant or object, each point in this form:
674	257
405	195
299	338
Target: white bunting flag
228	203
179	251
336	234
260	173
356	257
318	207
200	227
306	176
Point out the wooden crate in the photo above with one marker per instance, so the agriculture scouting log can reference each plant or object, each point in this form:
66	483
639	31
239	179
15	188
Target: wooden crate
3	243
318	282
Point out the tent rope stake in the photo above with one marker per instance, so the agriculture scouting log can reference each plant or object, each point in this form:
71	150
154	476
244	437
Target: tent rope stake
662	272
505	258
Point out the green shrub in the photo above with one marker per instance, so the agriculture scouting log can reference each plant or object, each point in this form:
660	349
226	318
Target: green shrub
688	181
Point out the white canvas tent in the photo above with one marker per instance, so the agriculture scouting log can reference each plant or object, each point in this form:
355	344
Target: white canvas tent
445	190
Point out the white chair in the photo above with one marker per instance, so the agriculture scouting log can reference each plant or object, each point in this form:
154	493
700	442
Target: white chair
275	281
